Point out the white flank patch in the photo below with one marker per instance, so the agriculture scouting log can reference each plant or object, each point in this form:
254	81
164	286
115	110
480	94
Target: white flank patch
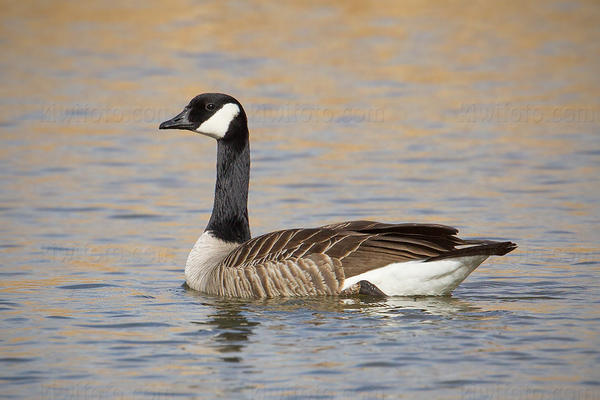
206	255
217	125
418	278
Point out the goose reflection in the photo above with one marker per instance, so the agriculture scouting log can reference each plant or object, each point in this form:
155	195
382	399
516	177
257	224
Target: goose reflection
446	306
232	328
231	319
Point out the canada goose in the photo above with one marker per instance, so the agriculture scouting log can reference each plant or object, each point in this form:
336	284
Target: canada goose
355	257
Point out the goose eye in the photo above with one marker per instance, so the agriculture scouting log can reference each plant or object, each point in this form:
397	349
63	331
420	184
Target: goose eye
210	107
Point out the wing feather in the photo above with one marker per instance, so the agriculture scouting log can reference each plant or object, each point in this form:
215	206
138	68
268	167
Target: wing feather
317	260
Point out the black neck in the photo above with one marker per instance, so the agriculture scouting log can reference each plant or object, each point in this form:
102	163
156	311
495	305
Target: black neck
229	219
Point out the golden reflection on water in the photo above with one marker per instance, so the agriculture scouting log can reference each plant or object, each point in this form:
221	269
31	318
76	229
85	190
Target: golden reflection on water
83	44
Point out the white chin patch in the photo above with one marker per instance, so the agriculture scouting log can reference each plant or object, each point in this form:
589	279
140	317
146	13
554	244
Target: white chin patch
217	125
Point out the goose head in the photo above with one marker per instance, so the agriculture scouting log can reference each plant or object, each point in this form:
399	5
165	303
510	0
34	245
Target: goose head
217	115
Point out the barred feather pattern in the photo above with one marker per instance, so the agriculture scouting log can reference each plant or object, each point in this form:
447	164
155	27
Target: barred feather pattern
314	275
316	261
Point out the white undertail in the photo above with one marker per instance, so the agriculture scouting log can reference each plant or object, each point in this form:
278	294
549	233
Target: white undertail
420	278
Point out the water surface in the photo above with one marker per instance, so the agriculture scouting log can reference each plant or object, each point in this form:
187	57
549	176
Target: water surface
481	116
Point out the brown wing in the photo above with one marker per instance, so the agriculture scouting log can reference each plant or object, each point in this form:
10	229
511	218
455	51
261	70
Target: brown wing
388	243
360	245
300	262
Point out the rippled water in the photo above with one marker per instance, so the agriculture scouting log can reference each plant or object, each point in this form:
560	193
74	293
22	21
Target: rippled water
483	116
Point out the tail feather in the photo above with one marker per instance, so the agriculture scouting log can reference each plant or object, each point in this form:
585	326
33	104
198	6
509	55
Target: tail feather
482	248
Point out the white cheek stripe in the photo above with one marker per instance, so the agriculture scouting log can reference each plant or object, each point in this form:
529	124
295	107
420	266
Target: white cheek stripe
217	125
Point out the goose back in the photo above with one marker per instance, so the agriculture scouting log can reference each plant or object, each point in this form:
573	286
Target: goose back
317	261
